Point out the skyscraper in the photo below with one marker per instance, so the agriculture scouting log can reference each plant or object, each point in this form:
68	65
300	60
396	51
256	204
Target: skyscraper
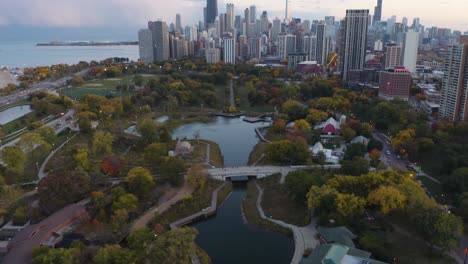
229	17
377	12
454	93
286	45
410	50
306	26
395	83
354	40
160	35
229	48
310	47
211	11
247	21
264	22
321	54
275	29
178	27
253	15
392	55
145	45
287	14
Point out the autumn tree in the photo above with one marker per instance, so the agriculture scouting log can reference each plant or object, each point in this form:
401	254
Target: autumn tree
102	142
47	133
114	254
375	155
139	181
279	126
322	198
81	158
388	198
77	81
154	153
175	246
315	116
14	158
197	177
293	109
301	125
29	141
48	255
349	205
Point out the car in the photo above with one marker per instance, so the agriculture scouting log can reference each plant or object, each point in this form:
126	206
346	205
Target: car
388	152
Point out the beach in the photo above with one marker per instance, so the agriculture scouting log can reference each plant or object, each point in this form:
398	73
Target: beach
5	79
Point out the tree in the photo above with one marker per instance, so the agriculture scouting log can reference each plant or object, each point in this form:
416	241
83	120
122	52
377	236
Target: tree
154	154
197	177
446	229
356	167
175	246
114	254
347	132
298	184
349	205
149	131
279	126
102	142
172	103
457	182
81	158
139	181
77	81
20	216
374	144
301	125
355	150
293	109
47	255
29	141
322	198
400	141
60	188
174	168
119	218
315	116
374	155
47	133
280	151
14	158
388	198
126	201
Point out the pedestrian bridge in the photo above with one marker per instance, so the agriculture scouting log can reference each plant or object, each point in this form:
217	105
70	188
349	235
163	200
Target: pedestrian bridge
259	172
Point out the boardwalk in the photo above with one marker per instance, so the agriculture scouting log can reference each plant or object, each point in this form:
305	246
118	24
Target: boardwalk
260	135
203	213
304	237
259	172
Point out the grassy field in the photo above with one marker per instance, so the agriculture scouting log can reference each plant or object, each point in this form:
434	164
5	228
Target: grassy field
435	189
103	87
253	217
257	152
278	204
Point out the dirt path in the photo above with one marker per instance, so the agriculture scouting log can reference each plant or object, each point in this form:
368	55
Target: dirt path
164	204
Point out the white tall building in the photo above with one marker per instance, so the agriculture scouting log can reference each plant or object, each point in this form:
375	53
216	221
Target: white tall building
229	48
410	50
145	45
229	17
454	93
287	14
306	26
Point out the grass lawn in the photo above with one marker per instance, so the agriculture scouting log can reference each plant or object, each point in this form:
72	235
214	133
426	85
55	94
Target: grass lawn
278	204
253	217
257	152
223	193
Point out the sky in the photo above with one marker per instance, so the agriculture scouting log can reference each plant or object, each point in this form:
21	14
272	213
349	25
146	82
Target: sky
133	14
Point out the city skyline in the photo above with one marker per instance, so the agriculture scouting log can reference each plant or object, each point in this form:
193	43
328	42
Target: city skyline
89	13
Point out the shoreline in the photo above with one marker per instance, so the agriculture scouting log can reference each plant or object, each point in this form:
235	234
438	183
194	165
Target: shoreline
6	78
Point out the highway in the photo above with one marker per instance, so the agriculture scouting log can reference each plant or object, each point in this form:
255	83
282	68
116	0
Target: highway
44	86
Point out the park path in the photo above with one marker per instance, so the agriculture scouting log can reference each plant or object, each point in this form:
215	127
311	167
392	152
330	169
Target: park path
41	174
231	94
163	205
304	237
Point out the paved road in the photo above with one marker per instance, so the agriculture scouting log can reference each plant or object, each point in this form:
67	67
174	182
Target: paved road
260	172
47	85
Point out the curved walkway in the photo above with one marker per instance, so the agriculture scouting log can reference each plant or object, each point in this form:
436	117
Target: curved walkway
304	237
41	173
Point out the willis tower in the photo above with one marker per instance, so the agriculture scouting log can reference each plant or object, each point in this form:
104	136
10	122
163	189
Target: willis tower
211	12
377	12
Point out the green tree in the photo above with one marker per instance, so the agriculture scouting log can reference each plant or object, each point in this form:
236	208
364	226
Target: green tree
102	142
119	218
322	197
349	205
388	198
47	133
139	181
77	81
294	110
280	151
81	158
197	177
446	229
154	154
355	150
47	255
20	216
174	169
356	167
127	201
29	141
175	246
315	116
347	132
14	158
149	131
114	254
298	184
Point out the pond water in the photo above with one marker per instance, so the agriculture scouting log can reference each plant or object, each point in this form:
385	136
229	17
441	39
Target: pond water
226	237
13	113
235	137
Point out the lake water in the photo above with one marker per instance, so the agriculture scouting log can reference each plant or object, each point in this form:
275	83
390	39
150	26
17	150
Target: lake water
235	137
13	113
225	237
26	54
